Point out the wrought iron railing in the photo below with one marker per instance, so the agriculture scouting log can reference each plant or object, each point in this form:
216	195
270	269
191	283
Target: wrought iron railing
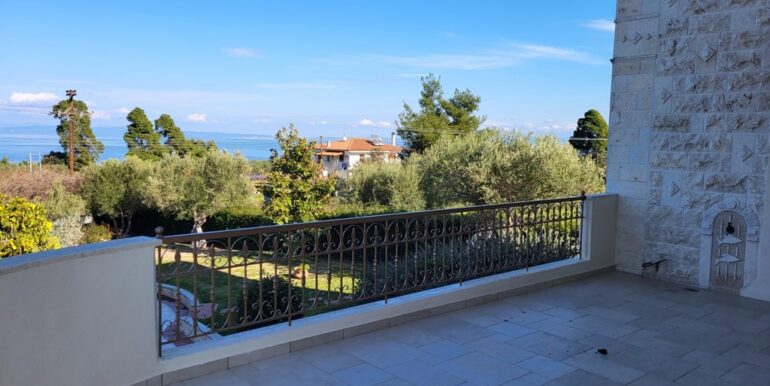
222	282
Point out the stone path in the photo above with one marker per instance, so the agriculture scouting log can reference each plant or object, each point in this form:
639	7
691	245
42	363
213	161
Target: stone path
654	333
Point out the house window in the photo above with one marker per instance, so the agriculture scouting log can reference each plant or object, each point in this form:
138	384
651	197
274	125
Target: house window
342	157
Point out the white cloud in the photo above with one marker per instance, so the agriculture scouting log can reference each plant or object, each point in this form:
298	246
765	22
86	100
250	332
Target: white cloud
196	117
32	99
101	114
370	123
240	52
505	56
261	120
108	114
600	25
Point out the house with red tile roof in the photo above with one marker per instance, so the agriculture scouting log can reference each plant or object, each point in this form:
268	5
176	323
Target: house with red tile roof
338	157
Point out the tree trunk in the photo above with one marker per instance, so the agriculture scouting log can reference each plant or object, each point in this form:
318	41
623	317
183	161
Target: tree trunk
198	221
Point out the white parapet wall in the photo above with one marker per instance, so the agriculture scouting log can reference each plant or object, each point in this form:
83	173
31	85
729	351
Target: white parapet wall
79	316
88	315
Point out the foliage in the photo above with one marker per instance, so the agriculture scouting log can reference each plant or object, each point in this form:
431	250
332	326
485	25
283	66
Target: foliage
87	147
238	217
590	137
116	189
142	139
24	227
95	233
17	181
296	189
392	185
197	187
438	116
175	140
261	167
66	210
492	167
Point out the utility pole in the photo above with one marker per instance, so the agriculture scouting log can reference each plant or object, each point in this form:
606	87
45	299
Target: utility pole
71	94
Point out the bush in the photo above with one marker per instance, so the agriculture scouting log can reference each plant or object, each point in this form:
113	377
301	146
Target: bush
392	185
95	233
238	217
17	181
24	227
66	210
494	167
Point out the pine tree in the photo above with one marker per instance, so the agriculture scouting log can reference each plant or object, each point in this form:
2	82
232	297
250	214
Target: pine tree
87	147
142	139
438	116
590	137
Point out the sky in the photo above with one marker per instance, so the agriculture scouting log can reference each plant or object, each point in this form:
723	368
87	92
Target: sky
332	68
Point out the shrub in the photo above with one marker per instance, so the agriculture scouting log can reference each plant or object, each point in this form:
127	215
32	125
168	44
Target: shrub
494	167
95	233
17	181
238	217
66	210
393	185
24	227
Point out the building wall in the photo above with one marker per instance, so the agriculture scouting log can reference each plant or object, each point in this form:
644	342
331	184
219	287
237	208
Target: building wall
689	125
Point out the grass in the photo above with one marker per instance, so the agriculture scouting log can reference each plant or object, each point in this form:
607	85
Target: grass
226	276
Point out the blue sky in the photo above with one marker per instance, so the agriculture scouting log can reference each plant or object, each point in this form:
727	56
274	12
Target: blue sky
332	67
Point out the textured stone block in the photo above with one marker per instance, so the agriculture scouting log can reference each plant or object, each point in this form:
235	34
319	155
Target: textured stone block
700	199
674	27
710	23
668	160
692	104
709	162
736	123
763	17
734	102
671	123
748	81
699	7
726	183
751	39
739	61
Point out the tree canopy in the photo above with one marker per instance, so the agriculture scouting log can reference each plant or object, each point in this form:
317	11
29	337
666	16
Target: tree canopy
438	116
590	137
494	167
116	189
142	139
296	189
194	188
87	147
175	141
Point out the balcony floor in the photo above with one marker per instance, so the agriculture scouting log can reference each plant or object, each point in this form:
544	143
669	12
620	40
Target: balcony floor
655	334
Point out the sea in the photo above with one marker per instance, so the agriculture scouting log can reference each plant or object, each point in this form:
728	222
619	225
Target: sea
21	143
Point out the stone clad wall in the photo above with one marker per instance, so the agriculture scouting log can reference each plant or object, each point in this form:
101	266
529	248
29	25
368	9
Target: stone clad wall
689	124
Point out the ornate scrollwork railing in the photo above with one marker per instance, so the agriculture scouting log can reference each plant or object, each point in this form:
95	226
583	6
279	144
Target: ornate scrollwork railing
230	281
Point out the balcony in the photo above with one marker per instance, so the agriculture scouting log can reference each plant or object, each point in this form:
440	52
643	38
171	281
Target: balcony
528	296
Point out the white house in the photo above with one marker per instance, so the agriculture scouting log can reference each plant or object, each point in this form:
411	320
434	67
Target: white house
337	157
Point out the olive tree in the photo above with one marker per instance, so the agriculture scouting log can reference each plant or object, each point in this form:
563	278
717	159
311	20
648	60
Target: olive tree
194	188
495	166
116	189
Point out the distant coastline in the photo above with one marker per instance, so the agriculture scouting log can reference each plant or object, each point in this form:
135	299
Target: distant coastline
17	143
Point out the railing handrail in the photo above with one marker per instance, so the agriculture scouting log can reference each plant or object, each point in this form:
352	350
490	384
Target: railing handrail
189	237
